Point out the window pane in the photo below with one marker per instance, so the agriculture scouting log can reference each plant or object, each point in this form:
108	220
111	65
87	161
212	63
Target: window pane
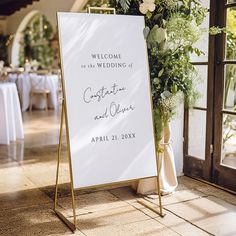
231	1
230	87
229	140
197	134
202	86
202	43
231	34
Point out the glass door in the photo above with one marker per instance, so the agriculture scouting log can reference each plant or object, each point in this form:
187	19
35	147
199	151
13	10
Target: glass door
197	139
224	158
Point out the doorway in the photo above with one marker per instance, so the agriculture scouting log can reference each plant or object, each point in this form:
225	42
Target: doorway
210	128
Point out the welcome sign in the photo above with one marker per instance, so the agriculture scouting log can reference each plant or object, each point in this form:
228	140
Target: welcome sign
106	85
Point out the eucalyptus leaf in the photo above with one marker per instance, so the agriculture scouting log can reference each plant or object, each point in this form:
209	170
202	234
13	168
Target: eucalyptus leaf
146	31
166	94
160	72
156	81
157	16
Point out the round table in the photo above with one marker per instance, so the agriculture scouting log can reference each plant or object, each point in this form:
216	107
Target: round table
11	126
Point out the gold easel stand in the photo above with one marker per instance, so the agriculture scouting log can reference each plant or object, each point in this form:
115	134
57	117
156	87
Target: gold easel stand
72	225
101	10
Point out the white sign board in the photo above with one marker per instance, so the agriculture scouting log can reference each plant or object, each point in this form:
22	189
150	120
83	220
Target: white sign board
106	83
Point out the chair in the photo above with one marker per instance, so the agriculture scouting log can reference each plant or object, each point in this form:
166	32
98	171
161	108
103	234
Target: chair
38	88
3	76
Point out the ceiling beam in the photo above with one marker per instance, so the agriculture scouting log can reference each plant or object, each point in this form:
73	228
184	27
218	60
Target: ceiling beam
3	2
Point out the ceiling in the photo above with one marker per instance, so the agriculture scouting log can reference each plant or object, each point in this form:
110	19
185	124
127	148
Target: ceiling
8	7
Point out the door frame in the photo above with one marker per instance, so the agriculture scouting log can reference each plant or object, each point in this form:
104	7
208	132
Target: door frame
195	167
222	174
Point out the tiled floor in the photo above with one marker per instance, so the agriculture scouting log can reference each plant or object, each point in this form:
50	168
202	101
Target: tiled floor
27	178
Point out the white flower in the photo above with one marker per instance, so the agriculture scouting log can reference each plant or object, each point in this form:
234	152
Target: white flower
147	5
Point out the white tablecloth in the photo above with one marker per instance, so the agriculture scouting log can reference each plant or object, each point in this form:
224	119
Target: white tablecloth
24	86
11	127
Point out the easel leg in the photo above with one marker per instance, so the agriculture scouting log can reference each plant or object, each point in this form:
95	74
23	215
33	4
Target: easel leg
58	155
145	203
72	226
159	161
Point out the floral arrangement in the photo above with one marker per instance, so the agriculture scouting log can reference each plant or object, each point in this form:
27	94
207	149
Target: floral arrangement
172	29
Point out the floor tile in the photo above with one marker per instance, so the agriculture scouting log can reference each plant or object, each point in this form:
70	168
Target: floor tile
216	192
43	173
24	198
185	182
176	197
93	202
30	221
13	179
139	228
125	194
180	226
209	213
